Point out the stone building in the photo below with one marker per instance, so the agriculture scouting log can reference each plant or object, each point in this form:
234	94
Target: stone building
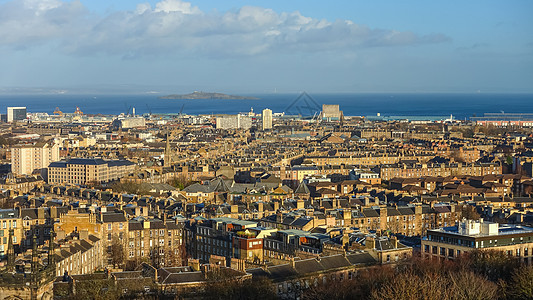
84	171
27	159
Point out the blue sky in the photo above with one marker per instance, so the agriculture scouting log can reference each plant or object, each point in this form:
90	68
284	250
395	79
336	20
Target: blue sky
265	46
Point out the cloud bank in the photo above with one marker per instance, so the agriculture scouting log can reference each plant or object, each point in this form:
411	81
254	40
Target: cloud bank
179	27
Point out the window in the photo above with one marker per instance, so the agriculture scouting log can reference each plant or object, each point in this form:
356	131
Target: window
109	226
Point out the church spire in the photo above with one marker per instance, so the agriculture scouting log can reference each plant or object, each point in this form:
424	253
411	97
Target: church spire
34	259
10	252
51	250
167	162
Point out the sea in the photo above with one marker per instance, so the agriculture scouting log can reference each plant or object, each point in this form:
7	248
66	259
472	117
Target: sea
388	105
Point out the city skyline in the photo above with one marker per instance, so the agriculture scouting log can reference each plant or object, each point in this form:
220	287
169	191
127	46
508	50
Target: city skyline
259	46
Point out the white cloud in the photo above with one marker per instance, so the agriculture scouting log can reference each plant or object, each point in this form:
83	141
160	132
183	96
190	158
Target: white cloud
175	26
42	5
143	7
171	6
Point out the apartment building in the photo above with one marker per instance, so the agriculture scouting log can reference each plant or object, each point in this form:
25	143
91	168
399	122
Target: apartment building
114	228
160	241
38	222
234	122
79	253
388	172
284	245
266	117
406	220
226	237
368	159
87	170
16	114
23	183
365	176
468	235
26	159
10	226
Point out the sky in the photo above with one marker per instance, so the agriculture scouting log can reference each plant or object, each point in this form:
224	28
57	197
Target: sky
174	46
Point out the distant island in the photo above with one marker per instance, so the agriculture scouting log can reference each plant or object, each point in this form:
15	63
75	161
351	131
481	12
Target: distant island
203	95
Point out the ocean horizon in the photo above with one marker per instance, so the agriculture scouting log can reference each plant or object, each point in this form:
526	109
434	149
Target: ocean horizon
459	105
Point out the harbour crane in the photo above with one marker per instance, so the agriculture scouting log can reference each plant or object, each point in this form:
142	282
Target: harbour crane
149	110
181	110
58	112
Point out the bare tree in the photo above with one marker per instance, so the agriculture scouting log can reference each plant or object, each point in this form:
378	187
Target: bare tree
116	253
521	285
468	285
172	257
394	225
469	212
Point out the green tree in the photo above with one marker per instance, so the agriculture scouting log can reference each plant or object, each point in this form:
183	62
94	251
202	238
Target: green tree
180	182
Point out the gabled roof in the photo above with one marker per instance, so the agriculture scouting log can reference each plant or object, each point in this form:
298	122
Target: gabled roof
302	189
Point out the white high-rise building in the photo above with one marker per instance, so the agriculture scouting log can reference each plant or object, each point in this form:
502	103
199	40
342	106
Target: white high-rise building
16	114
25	159
234	122
267	119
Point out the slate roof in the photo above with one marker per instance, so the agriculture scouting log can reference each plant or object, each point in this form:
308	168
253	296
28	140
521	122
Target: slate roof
112	217
8	213
302	189
91	162
313	265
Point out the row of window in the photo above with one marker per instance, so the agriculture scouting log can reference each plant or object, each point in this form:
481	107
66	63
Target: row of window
4	241
9	224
